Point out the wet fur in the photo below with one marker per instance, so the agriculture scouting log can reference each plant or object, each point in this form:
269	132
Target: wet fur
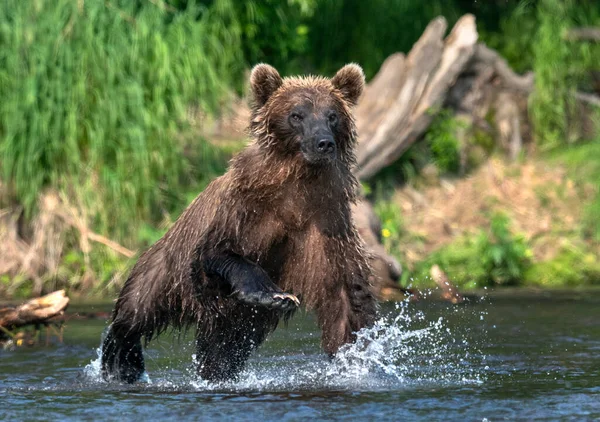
273	209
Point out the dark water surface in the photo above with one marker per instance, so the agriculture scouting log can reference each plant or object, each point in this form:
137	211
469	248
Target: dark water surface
509	357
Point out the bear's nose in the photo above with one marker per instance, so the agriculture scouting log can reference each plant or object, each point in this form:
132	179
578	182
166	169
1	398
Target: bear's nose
325	145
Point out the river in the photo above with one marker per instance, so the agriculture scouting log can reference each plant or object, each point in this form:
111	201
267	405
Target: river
517	356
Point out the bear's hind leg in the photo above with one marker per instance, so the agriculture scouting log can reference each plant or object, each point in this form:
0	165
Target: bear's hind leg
122	355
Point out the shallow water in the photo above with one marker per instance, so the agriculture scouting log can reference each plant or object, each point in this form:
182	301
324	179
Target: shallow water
509	357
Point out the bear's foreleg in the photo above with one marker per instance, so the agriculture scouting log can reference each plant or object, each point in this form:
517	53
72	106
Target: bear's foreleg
350	305
248	282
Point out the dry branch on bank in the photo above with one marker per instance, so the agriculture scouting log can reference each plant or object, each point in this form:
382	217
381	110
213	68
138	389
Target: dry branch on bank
589	99
449	291
39	253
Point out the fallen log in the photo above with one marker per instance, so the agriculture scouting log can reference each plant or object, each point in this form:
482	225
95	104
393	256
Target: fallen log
37	311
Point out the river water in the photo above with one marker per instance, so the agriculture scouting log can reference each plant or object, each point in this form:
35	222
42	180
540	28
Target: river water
501	357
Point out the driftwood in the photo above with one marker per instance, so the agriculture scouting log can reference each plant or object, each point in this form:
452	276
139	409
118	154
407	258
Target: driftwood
34	312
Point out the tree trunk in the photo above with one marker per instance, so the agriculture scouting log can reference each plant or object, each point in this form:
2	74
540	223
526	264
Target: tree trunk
393	116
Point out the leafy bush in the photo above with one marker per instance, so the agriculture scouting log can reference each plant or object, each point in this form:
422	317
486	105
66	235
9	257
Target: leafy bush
491	258
443	142
504	257
572	266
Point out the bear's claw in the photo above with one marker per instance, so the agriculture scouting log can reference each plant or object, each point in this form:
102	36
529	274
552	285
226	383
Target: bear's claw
285	296
283	301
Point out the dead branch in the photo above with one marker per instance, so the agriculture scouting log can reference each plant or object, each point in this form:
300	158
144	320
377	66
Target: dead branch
485	56
590	99
591	34
449	291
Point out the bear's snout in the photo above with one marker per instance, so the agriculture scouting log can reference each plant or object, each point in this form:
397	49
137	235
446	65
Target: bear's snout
325	145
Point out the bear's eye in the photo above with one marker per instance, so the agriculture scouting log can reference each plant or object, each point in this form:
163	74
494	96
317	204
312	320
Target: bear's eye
332	118
296	117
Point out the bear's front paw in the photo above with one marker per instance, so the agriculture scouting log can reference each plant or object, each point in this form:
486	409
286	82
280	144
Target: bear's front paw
274	300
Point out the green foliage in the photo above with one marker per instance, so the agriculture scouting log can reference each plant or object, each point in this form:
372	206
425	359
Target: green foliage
552	101
275	31
514	39
572	266
491	258
95	96
342	31
442	139
583	163
390	215
504	257
561	67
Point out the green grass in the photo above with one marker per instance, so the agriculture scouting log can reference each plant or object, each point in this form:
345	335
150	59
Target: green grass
493	257
444	143
94	102
574	265
583	164
561	68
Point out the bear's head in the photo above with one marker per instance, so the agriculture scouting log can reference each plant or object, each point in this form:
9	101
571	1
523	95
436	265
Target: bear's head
306	117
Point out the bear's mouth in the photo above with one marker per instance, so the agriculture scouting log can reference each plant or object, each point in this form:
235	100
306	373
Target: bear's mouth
318	156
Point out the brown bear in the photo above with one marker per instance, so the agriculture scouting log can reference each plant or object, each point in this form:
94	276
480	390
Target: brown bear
273	232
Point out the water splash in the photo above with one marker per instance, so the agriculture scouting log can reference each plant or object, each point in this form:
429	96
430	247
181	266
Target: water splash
92	370
403	349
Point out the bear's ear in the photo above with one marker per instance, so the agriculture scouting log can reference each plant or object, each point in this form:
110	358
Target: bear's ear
350	80
264	81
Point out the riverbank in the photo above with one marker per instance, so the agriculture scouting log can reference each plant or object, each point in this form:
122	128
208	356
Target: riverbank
534	217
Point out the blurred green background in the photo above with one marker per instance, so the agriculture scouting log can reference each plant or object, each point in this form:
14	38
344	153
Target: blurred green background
99	106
